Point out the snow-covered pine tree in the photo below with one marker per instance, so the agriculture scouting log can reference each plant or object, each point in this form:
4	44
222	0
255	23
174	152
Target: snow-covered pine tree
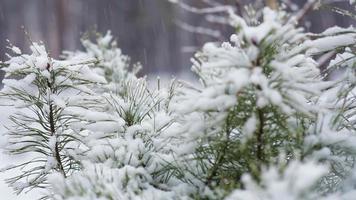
110	62
42	89
256	118
263	124
195	140
125	144
337	127
328	171
254	106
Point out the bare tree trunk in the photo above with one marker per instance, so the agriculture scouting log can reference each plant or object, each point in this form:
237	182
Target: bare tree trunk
273	4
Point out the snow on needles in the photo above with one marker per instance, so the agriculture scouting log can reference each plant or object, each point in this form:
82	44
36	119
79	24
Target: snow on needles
262	124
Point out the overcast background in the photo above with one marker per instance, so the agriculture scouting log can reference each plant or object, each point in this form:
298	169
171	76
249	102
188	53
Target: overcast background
146	30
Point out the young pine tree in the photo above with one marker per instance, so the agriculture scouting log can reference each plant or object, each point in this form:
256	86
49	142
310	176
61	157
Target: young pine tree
42	90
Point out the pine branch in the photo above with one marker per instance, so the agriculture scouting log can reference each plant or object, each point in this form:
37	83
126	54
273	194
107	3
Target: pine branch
220	159
52	124
259	136
56	149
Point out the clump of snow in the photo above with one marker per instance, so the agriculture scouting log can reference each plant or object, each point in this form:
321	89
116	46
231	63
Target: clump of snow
292	184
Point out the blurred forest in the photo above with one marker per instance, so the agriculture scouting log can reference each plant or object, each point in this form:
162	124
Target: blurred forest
150	31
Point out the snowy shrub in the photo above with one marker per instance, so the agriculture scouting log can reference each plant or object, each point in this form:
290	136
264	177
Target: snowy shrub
264	123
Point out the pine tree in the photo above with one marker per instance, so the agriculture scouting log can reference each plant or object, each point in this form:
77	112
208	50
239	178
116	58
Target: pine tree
256	102
264	123
123	141
43	89
110	62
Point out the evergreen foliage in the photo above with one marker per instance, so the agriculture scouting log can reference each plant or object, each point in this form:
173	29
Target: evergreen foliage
264	123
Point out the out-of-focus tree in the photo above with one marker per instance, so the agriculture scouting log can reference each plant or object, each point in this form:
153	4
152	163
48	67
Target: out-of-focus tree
149	31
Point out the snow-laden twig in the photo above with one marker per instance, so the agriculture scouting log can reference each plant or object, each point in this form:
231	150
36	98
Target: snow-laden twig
199	30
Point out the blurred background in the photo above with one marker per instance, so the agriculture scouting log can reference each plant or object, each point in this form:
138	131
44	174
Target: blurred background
152	32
